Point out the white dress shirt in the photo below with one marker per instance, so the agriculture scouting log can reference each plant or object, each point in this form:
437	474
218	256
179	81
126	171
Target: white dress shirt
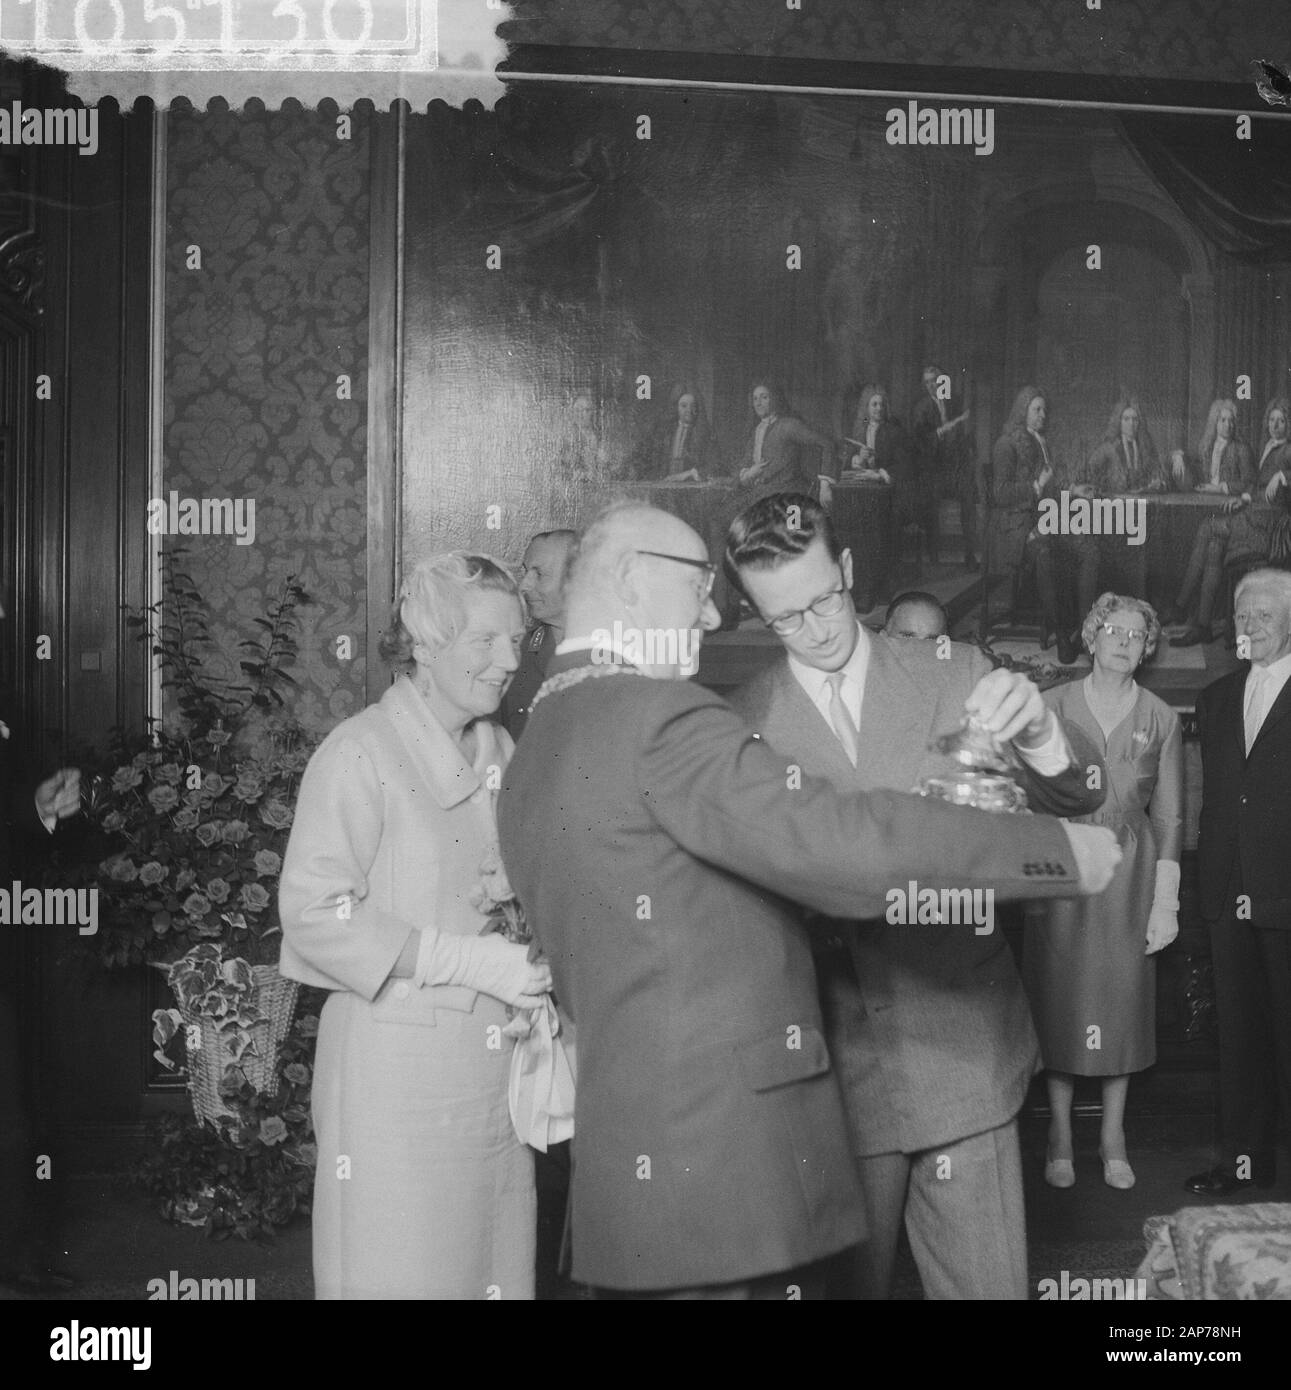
1276	675
852	690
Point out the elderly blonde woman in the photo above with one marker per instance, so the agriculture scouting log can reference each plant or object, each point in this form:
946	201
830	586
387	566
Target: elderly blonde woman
423	1189
1087	963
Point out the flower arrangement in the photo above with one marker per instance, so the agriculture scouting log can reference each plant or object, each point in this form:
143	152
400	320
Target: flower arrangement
254	1174
197	815
194	817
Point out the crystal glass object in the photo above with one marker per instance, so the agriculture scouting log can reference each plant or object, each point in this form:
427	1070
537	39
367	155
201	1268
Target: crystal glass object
975	769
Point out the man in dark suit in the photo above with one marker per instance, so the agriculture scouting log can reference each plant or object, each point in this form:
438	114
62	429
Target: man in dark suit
542	583
1245	876
928	1025
28	809
658	847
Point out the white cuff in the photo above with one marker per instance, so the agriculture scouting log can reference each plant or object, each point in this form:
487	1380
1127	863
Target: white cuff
1050	757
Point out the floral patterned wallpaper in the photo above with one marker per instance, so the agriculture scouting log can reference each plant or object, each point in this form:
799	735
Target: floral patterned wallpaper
256	338
1200	40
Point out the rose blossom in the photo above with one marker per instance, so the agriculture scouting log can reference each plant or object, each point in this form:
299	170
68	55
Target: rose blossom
273	1129
163	798
218	890
253	897
250	785
121	869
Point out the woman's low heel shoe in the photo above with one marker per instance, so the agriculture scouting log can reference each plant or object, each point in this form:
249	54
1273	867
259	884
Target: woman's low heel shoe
1118	1174
1059	1172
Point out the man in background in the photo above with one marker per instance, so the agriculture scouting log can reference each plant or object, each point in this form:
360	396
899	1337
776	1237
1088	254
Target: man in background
915	614
928	1024
28	810
1245	878
542	582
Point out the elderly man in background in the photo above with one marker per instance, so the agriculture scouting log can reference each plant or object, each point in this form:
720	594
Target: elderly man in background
542	583
658	846
1245	878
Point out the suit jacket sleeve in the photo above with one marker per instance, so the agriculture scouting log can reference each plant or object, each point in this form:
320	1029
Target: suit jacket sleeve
805	436
334	839
729	799
1069	793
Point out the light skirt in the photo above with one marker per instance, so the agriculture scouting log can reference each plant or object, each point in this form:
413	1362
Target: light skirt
423	1190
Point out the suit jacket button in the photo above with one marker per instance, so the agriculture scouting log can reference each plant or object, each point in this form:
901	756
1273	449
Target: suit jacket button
402	989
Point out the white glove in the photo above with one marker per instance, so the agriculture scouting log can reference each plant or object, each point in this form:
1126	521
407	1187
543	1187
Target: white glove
1097	855
490	964
1163	921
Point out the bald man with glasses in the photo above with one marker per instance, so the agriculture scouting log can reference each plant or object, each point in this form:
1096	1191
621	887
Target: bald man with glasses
928	1025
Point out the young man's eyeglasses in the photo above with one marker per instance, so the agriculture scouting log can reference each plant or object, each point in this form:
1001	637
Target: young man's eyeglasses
710	569
826	606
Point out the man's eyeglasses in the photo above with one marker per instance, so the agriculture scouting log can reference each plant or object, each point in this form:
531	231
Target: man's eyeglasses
826	606
710	569
1136	636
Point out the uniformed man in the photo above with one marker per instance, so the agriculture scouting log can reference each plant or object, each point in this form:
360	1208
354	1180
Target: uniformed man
542	583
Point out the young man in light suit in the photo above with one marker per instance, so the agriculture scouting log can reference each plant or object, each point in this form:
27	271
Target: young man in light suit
928	1025
658	847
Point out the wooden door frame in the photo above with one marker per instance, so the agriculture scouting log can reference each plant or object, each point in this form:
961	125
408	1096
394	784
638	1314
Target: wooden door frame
385	383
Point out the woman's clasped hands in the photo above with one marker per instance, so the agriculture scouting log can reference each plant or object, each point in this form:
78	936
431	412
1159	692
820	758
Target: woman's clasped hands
488	964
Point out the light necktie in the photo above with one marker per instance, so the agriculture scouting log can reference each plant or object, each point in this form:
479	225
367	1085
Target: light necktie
1254	712
841	717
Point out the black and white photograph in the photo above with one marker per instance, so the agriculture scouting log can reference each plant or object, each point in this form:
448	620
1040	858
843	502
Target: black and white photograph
647	660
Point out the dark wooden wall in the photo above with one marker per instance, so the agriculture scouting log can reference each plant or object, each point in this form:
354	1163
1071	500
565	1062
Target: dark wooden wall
74	304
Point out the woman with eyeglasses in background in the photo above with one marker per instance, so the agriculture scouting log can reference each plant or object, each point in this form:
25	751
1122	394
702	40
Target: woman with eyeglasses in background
1088	963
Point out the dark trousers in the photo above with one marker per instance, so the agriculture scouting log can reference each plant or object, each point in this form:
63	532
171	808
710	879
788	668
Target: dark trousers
790	1285
1252	967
